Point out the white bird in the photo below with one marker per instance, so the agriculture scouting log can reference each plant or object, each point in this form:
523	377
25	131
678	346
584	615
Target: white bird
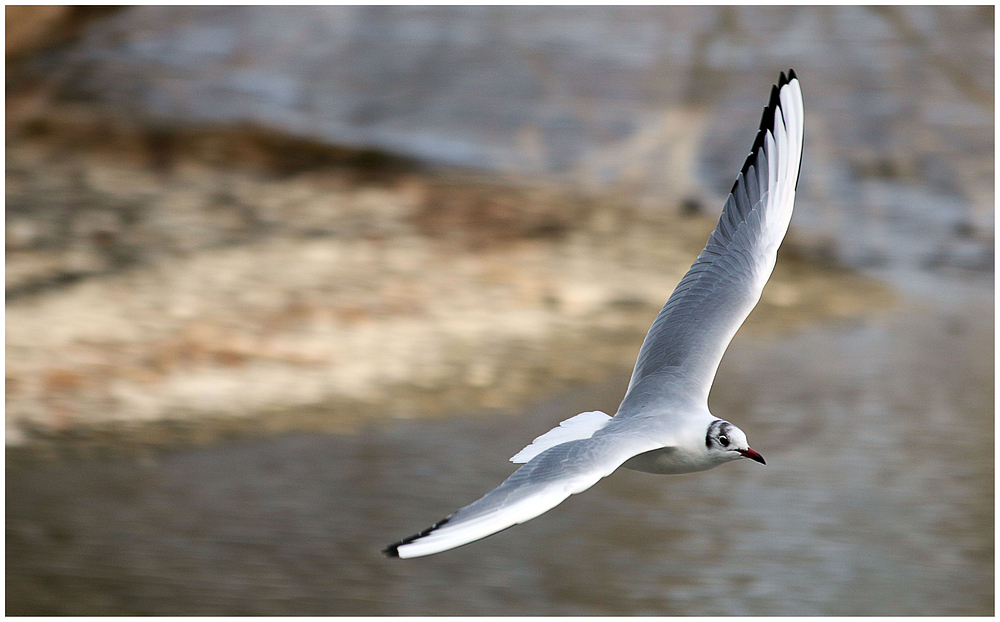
663	424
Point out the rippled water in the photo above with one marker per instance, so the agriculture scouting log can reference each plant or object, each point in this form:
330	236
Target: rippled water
877	499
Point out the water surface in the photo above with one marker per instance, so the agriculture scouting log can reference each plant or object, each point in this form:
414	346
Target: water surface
877	499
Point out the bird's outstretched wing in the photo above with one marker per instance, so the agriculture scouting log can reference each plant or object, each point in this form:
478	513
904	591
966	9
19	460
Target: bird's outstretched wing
537	487
689	336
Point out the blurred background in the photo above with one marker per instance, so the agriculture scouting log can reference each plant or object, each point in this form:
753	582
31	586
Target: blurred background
284	285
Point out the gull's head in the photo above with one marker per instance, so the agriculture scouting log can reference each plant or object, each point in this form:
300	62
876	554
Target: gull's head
726	442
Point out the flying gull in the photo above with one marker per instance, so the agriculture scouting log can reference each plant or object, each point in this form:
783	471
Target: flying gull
663	424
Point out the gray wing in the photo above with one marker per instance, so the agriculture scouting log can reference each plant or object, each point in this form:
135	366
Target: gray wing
538	486
692	331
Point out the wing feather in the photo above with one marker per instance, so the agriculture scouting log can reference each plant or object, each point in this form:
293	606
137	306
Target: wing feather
538	486
693	329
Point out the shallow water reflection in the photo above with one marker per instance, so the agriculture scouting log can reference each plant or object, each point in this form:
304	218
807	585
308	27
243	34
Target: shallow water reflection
877	499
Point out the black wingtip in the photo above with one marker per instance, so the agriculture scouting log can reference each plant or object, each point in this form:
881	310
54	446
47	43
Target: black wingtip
766	123
773	103
393	549
782	80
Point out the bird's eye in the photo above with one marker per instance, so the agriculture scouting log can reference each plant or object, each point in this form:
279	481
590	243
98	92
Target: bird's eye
724	440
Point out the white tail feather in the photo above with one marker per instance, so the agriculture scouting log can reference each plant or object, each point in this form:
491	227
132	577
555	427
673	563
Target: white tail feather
579	427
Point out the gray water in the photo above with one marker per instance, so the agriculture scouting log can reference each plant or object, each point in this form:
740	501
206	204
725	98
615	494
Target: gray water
877	499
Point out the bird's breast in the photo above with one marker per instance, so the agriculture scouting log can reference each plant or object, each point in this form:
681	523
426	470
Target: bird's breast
670	461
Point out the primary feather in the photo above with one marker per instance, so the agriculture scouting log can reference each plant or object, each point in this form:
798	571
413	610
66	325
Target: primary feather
691	332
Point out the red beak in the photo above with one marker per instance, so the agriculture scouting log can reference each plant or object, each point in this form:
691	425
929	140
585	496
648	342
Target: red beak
753	455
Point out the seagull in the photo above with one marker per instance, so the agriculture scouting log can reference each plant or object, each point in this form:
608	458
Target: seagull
663	424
